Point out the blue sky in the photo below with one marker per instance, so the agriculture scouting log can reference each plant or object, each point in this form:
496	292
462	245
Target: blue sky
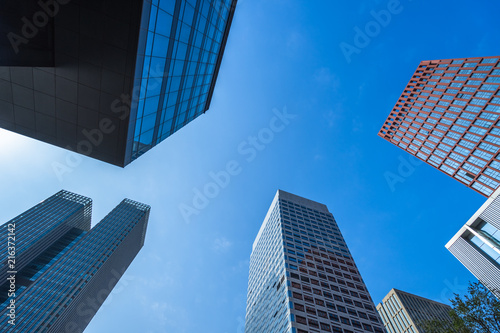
192	274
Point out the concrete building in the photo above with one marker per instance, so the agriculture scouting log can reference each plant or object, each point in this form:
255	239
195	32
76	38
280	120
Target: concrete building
477	244
303	278
403	312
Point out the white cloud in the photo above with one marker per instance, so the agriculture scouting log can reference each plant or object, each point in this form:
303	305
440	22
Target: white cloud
221	244
325	77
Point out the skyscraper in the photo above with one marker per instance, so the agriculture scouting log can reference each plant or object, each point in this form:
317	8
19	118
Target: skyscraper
447	117
302	275
59	271
477	244
109	79
403	312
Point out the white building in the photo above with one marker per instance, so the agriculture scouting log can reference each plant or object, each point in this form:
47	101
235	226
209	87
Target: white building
477	244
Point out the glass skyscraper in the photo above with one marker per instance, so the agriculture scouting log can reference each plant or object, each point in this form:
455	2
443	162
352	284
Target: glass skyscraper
403	312
109	79
477	244
302	276
447	116
180	51
59	271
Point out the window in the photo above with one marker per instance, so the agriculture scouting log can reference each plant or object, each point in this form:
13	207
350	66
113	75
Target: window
464	176
484	68
488	181
457	157
313	323
368	327
477	130
471	137
458	102
489	60
473	169
325	327
463	122
489	116
447	169
482	154
483	123
482	188
451	163
478	101
493	108
469	89
470	64
493	79
488	147
320	302
489	87
310	310
492	234
334	317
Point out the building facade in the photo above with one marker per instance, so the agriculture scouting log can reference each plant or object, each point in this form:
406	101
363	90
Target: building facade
447	117
477	244
303	278
59	271
109	79
403	312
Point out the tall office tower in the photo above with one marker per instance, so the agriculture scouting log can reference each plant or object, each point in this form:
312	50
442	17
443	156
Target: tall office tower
403	312
303	278
59	271
109	79
447	117
477	244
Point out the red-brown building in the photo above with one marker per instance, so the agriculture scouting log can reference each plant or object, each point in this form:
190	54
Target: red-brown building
447	116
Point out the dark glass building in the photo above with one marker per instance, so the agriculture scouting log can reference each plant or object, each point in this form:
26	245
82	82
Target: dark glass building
61	271
447	116
303	278
109	79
